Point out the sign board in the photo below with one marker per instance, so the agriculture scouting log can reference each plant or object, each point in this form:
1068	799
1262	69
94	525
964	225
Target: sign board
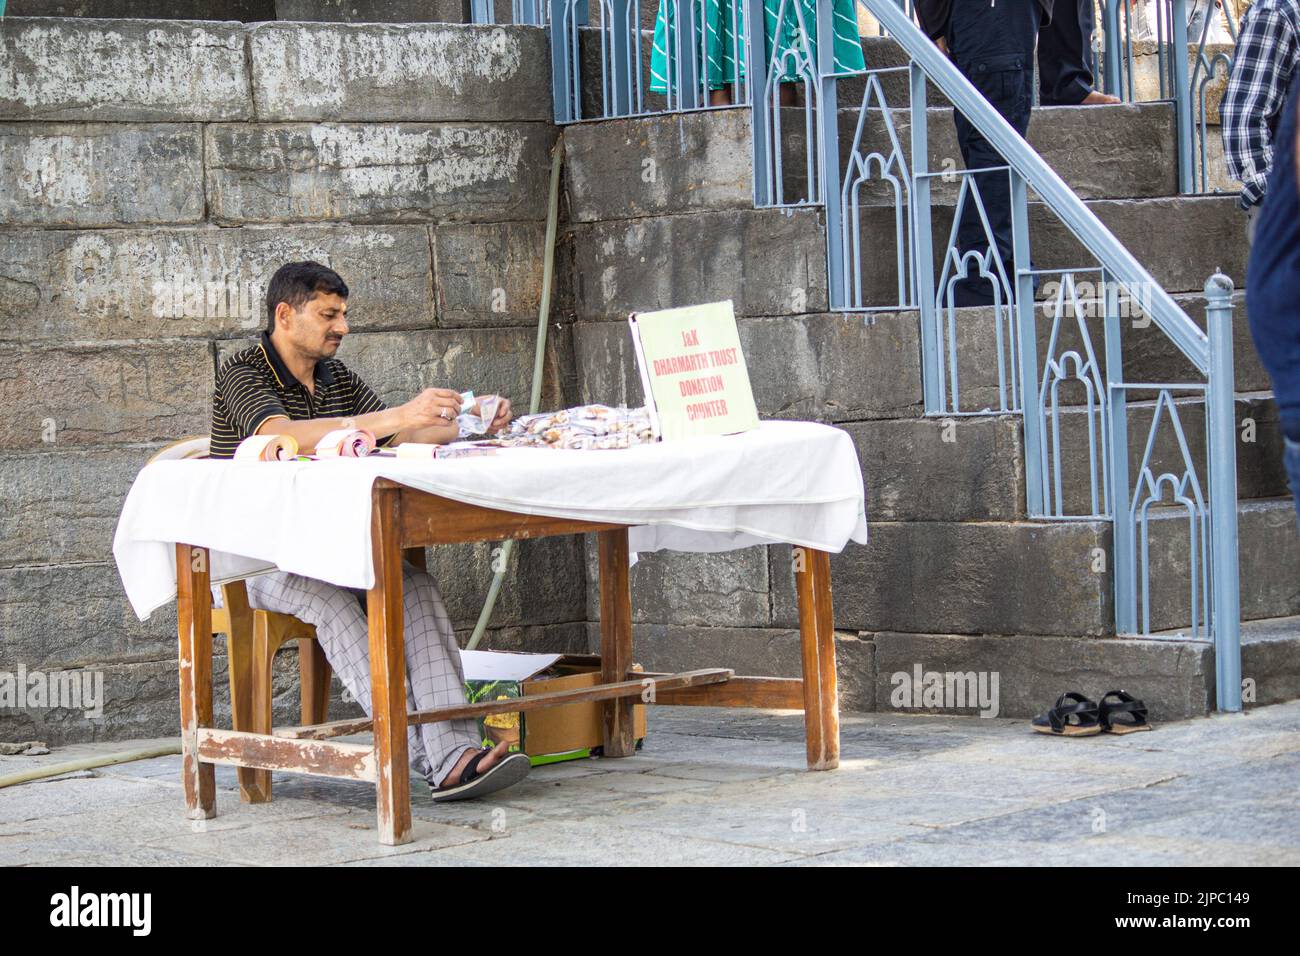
693	371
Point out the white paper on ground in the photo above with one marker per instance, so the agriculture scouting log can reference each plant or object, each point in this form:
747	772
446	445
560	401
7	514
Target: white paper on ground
504	665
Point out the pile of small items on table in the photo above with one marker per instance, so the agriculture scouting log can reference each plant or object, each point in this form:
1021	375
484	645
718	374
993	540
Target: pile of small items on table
584	427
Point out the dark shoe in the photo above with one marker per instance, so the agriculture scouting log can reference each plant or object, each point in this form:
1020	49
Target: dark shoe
505	773
1069	720
1123	703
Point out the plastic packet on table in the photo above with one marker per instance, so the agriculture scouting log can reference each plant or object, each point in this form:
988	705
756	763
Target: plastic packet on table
477	424
457	449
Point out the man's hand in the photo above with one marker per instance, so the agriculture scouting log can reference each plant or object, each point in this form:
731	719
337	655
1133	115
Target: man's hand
433	406
942	44
502	417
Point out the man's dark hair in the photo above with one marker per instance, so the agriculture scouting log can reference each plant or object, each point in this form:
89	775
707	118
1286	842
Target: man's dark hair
296	282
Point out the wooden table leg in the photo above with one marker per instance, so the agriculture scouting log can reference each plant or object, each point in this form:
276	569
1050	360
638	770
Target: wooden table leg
616	639
314	680
194	616
821	705
388	671
254	784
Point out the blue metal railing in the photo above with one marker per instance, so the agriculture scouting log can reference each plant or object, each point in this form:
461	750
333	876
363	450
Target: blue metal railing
1028	381
677	72
524	12
805	156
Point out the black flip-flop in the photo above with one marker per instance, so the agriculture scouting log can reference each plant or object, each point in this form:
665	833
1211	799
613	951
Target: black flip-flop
505	773
1069	720
1124	703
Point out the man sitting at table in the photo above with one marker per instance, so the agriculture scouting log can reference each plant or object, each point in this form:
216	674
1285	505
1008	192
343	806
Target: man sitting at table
290	383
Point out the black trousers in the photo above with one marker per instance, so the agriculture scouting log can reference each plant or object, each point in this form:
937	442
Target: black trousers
1066	71
993	46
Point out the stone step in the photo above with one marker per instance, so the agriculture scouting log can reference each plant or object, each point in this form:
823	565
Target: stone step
1174	678
682	162
865	377
134	71
1270	660
1037	577
966	578
843	367
381	11
806	367
1260	471
1180	240
1051	579
769	262
1103	152
1149	354
773	261
877	671
972	468
1269	553
1172	674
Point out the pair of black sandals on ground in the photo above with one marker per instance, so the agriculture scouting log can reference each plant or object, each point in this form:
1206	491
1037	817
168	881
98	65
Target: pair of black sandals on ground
1118	712
506	772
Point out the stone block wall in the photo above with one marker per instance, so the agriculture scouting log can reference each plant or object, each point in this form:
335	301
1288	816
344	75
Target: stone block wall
153	174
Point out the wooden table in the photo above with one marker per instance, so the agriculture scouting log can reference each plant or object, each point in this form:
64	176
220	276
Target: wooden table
405	518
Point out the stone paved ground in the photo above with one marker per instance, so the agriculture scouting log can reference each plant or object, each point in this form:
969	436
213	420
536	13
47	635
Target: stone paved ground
727	787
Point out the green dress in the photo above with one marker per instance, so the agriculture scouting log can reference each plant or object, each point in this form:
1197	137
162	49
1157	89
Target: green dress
721	48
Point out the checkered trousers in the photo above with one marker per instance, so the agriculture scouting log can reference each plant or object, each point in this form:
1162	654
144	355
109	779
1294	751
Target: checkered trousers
434	677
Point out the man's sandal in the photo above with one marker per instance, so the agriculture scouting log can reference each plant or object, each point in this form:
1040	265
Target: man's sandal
505	773
1124	703
1067	719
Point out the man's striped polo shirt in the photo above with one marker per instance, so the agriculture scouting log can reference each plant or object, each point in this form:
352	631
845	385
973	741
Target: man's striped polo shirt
254	385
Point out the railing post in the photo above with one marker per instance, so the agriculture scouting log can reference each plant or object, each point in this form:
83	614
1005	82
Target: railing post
480	11
1221	401
527	12
1111	55
624	38
829	154
759	108
923	289
567	16
1182	97
687	34
1027	338
1123	532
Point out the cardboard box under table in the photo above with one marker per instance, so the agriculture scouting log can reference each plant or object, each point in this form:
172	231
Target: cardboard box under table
566	732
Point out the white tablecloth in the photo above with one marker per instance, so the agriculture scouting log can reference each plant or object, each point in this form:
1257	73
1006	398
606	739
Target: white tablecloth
796	482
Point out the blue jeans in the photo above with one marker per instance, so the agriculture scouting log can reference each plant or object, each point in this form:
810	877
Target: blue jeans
993	46
1292	458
